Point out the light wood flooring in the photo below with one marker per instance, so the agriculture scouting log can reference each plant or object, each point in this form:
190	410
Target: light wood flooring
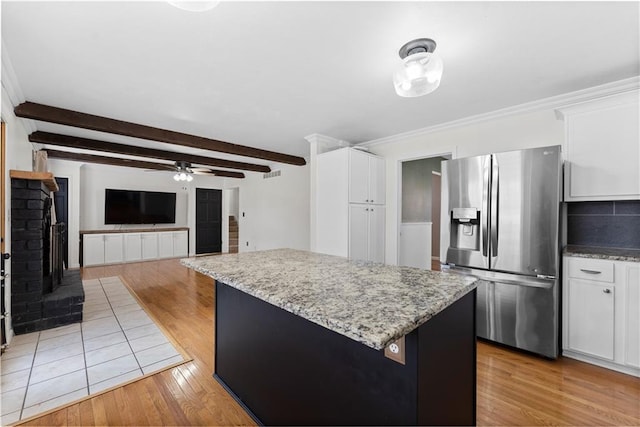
513	388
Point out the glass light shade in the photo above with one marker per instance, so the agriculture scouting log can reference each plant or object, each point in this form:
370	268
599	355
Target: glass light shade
418	74
189	178
176	177
194	5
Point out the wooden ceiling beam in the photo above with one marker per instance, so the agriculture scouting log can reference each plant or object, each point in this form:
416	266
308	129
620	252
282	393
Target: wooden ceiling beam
117	161
109	147
31	110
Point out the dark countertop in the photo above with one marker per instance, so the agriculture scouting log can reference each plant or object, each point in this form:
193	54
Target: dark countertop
595	252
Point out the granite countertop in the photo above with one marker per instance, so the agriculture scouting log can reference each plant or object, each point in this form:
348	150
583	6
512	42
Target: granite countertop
371	303
613	254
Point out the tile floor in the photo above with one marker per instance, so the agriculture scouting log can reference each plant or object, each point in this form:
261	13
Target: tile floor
115	343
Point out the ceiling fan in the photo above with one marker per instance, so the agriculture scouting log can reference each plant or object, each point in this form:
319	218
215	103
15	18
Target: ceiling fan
184	171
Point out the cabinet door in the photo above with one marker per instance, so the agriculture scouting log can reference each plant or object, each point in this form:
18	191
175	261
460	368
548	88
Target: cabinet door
180	244
358	177
165	244
358	232
132	247
376	180
92	249
149	245
113	248
632	330
376	233
603	150
591	318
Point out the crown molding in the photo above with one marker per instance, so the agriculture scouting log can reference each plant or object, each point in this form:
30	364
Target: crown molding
324	143
12	87
551	103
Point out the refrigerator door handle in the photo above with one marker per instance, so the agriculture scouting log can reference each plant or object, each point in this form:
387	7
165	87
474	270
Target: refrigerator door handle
495	197
484	222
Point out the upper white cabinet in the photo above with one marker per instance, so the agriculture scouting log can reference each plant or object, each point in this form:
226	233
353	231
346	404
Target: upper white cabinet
350	212
366	177
601	313
602	148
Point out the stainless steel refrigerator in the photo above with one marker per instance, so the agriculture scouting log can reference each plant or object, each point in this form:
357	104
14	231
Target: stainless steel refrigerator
500	223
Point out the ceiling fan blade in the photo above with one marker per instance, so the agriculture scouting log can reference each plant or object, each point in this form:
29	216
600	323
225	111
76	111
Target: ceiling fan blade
216	172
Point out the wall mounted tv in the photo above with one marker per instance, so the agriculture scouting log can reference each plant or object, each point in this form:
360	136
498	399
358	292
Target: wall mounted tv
139	207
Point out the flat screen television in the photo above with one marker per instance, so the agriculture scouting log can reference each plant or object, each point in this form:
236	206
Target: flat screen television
139	207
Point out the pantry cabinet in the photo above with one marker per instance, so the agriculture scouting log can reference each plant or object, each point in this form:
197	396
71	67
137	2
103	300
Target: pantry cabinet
601	312
350	211
602	148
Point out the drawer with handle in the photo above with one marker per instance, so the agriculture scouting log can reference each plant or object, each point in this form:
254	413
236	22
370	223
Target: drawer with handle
591	269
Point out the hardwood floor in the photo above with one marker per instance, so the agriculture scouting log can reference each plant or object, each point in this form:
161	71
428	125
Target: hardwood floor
513	388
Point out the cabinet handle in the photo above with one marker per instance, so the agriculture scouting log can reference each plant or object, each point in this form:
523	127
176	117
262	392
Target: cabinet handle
607	291
371	209
366	209
367	200
584	270
371	200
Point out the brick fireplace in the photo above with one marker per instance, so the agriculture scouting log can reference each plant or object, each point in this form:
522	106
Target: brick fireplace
42	297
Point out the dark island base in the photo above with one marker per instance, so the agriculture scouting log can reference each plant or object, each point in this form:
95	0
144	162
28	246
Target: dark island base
286	370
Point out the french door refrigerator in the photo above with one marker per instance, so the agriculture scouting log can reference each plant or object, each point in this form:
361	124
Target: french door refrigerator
500	223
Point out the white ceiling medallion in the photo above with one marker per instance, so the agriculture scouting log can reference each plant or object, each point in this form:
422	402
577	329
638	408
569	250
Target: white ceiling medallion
420	71
194	5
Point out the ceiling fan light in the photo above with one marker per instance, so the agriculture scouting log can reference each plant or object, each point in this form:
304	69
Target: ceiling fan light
189	178
176	177
183	176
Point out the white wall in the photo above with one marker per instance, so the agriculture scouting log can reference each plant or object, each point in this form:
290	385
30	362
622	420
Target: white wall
511	133
276	210
18	156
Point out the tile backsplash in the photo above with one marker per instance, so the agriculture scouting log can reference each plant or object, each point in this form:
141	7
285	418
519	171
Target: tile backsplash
607	224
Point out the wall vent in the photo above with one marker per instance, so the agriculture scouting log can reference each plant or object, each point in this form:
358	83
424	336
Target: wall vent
272	174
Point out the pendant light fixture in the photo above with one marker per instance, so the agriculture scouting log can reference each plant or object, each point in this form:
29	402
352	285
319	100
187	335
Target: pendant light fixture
420	71
194	5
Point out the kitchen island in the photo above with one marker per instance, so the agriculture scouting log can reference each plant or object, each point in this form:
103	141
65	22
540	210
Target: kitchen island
304	338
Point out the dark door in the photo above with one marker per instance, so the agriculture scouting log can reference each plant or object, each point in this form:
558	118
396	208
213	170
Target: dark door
62	214
208	220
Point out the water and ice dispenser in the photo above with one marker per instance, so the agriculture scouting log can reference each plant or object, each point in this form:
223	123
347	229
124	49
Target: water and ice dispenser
465	229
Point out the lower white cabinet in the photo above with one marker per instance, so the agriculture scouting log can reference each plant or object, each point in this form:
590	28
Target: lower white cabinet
601	313
149	246
591	318
114	248
366	232
165	244
132	247
93	249
102	249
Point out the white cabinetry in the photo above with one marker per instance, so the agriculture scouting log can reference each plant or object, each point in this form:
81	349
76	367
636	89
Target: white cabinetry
601	320
113	248
132	247
93	249
103	249
366	178
149	246
165	244
366	232
350	210
180	244
602	148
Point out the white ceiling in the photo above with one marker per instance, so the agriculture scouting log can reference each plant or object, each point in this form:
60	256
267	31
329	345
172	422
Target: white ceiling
267	74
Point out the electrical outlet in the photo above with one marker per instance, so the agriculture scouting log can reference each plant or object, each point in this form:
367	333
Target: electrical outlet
395	351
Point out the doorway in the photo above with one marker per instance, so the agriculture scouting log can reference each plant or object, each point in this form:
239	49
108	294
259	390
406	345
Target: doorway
3	323
208	221
419	225
61	202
